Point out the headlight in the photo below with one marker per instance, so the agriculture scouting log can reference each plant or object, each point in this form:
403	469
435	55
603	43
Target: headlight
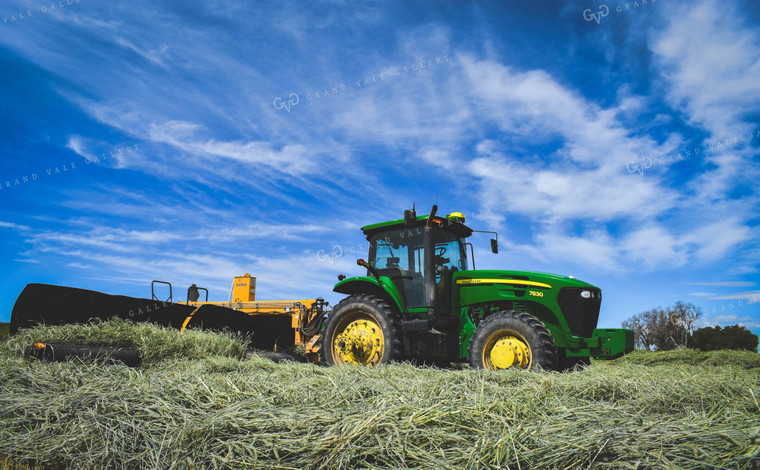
586	294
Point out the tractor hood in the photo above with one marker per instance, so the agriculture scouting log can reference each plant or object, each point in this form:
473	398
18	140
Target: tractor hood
560	277
522	278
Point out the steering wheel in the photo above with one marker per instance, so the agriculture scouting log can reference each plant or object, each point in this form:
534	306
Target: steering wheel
440	260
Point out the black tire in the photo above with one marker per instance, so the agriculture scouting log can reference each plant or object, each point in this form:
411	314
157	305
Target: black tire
376	315
571	364
520	327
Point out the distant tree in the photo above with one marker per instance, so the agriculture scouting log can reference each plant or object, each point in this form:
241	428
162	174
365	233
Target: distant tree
730	337
641	336
664	329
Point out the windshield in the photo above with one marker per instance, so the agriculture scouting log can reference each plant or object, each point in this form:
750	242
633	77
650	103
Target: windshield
398	253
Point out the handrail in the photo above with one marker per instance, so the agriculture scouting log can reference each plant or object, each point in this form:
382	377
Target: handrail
153	291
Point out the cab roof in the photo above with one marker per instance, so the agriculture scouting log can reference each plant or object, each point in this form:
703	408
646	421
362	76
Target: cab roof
449	222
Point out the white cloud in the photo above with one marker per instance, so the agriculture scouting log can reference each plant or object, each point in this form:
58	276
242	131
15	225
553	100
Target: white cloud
291	158
709	55
714	241
750	296
563	191
734	319
152	55
724	283
438	157
652	248
136	241
118	156
14	226
595	249
655	248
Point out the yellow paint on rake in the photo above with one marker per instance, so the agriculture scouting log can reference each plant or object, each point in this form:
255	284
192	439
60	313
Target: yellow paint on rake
187	320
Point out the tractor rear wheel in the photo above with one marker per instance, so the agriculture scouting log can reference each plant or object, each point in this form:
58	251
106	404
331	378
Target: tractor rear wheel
362	329
512	339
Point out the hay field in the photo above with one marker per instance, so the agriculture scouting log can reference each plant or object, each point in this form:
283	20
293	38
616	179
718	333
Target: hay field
195	405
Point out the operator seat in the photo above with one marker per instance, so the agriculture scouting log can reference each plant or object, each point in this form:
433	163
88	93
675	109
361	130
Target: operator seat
192	293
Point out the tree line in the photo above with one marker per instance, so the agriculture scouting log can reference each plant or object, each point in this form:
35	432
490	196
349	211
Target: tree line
672	327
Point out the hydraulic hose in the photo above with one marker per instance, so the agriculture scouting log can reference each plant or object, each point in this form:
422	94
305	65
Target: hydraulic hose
61	352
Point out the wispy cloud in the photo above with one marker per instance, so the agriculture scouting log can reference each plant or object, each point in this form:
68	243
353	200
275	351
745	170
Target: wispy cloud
14	226
724	283
746	321
749	296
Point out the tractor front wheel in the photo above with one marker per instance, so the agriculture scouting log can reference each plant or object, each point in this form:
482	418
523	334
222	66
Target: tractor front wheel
362	329
512	339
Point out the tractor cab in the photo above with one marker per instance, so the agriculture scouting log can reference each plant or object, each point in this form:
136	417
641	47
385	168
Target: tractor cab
417	249
398	252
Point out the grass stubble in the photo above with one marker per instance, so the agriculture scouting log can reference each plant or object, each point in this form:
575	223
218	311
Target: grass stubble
195	405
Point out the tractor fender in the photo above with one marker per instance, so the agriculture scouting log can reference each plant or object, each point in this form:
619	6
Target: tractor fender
385	289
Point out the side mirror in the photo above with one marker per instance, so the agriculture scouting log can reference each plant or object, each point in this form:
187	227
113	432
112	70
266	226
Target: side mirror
494	245
410	217
372	270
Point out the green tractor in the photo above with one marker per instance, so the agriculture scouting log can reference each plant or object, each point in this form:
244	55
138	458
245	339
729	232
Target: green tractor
422	299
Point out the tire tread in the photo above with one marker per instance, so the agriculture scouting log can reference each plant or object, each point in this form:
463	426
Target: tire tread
382	308
544	351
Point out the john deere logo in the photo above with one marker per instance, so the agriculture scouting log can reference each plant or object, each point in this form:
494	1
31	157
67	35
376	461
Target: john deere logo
604	10
293	100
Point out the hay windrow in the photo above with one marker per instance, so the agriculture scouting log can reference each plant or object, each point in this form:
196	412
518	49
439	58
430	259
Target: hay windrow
743	359
220	412
154	342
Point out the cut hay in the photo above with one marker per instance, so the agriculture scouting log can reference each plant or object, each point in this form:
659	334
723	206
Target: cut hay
155	343
743	359
221	412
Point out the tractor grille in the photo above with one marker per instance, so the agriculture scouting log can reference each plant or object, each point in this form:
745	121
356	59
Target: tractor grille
581	314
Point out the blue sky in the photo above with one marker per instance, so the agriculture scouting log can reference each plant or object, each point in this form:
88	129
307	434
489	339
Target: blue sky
194	141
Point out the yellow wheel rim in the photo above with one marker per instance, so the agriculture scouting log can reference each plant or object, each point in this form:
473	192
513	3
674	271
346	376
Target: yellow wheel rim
505	349
358	340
